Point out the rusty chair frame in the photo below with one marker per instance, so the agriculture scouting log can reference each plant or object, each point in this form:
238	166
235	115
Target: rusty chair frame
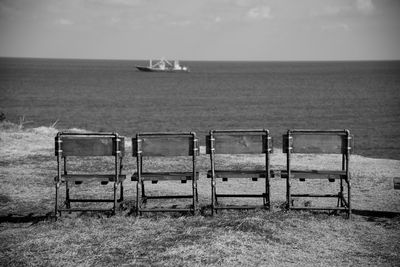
165	144
251	141
79	145
319	142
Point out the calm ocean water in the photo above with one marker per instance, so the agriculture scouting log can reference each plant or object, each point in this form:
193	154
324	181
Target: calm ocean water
105	95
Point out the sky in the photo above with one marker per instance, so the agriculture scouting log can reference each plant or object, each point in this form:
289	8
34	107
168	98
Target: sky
201	29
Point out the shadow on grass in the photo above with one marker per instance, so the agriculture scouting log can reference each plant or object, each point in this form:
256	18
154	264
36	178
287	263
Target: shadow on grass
376	213
30	218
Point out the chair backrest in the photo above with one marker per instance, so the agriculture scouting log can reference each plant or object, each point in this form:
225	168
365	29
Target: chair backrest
318	142
89	144
165	144
239	142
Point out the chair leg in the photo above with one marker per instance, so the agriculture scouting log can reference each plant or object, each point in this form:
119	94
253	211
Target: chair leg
67	197
267	203
212	197
144	198
340	195
264	198
288	195
197	196
121	194
115	199
349	197
137	199
194	194
216	204
56	204
341	192
194	204
268	192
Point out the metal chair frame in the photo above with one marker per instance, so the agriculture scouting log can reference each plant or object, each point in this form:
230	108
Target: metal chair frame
88	145
139	151
330	142
244	144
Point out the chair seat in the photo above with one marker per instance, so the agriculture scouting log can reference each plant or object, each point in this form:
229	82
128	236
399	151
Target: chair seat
315	174
237	174
90	178
157	176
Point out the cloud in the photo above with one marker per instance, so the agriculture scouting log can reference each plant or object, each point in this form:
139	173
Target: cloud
263	12
333	10
118	3
243	3
338	26
181	23
63	21
365	6
114	20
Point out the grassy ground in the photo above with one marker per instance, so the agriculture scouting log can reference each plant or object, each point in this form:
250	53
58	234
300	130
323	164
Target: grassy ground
27	168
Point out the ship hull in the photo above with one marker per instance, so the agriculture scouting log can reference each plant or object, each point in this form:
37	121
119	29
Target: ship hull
148	69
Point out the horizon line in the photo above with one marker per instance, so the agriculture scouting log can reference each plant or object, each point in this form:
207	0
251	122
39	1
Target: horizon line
203	60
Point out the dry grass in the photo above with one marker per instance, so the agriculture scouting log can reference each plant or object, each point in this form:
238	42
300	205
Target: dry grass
251	238
231	239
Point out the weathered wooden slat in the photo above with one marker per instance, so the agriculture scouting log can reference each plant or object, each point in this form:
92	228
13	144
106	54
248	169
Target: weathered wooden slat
227	207
241	195
243	143
316	195
319	208
91	200
88	178
89	146
163	146
317	143
396	183
237	174
314	174
166	210
169	197
79	210
158	176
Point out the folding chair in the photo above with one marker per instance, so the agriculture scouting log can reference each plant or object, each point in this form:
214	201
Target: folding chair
239	142
163	145
319	142
81	149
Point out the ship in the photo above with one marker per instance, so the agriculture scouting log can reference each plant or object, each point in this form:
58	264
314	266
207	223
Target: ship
163	65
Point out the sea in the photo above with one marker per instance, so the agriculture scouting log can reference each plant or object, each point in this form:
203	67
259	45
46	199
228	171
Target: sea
111	95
